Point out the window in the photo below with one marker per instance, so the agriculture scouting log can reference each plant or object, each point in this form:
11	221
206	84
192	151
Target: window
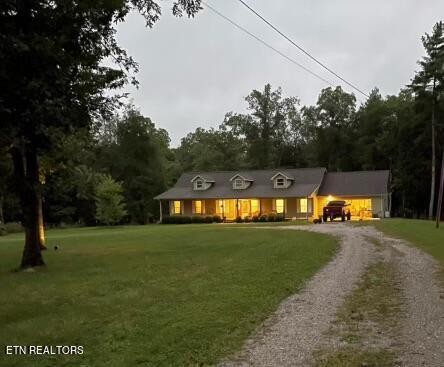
238	183
303	205
199	184
177	207
279	206
280	182
197	207
254	206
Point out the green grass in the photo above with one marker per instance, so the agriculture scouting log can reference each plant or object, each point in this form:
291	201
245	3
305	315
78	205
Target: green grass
151	295
373	307
420	233
350	357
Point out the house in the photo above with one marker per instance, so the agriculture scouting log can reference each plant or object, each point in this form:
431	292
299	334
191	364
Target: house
294	193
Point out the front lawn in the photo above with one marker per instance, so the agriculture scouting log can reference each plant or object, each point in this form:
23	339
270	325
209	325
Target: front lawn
421	233
151	295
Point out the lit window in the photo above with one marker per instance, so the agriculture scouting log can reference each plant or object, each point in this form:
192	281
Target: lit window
279	203
280	182
238	183
254	206
198	207
303	205
177	206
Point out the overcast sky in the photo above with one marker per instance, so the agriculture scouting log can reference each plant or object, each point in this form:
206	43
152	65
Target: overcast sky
193	71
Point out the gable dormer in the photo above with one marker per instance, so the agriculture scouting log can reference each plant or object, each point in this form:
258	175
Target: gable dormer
241	182
201	183
281	180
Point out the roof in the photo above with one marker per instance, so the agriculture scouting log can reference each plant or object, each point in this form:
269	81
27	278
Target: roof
356	183
281	174
203	177
306	181
243	175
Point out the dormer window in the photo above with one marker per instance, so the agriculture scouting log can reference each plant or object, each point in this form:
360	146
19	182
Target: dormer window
241	181
201	182
281	180
238	183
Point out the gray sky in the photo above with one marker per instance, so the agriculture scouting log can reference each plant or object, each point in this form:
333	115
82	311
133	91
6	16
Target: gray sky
193	71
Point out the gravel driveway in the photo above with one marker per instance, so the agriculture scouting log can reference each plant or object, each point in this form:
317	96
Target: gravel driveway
298	327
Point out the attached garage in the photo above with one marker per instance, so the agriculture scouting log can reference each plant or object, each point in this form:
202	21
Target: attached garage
367	192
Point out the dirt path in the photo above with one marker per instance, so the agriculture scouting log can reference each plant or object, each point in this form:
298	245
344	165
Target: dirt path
300	325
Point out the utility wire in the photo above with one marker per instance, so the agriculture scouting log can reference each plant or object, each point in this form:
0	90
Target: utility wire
267	44
301	49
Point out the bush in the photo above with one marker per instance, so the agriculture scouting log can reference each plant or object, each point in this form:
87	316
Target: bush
176	219
197	219
263	218
239	219
247	219
255	218
271	218
13	227
208	219
3	231
217	219
279	218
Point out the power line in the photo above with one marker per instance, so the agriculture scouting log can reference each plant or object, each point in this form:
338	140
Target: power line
301	49
267	44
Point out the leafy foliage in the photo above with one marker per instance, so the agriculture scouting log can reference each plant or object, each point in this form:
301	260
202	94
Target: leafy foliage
109	201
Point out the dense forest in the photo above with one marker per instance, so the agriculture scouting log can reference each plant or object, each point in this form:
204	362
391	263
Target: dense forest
403	133
126	157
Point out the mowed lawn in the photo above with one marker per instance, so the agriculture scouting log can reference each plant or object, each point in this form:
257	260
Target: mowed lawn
151	295
421	233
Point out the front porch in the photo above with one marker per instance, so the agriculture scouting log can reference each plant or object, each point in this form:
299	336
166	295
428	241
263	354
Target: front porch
230	209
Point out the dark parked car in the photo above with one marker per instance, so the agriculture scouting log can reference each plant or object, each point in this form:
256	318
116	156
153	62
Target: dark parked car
336	209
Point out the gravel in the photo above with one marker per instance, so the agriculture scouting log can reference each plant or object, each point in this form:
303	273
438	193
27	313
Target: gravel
290	335
422	334
299	325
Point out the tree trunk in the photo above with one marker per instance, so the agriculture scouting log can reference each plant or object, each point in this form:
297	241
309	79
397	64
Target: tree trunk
2	218
41	222
433	179
440	195
26	172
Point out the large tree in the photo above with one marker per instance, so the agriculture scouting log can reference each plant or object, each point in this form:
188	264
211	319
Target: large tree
53	81
428	84
266	128
136	154
330	125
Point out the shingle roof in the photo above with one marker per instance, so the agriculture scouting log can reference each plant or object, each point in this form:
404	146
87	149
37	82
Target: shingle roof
306	181
356	183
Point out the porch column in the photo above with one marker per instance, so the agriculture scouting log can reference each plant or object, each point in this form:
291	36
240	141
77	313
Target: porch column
160	211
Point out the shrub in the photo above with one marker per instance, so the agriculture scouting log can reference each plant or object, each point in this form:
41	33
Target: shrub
110	206
263	218
197	219
8	228
176	219
217	219
208	219
271	218
279	218
247	219
255	218
239	219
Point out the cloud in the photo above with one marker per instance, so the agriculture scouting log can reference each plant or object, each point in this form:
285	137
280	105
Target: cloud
193	71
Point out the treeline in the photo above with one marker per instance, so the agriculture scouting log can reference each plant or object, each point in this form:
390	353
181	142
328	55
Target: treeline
127	160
